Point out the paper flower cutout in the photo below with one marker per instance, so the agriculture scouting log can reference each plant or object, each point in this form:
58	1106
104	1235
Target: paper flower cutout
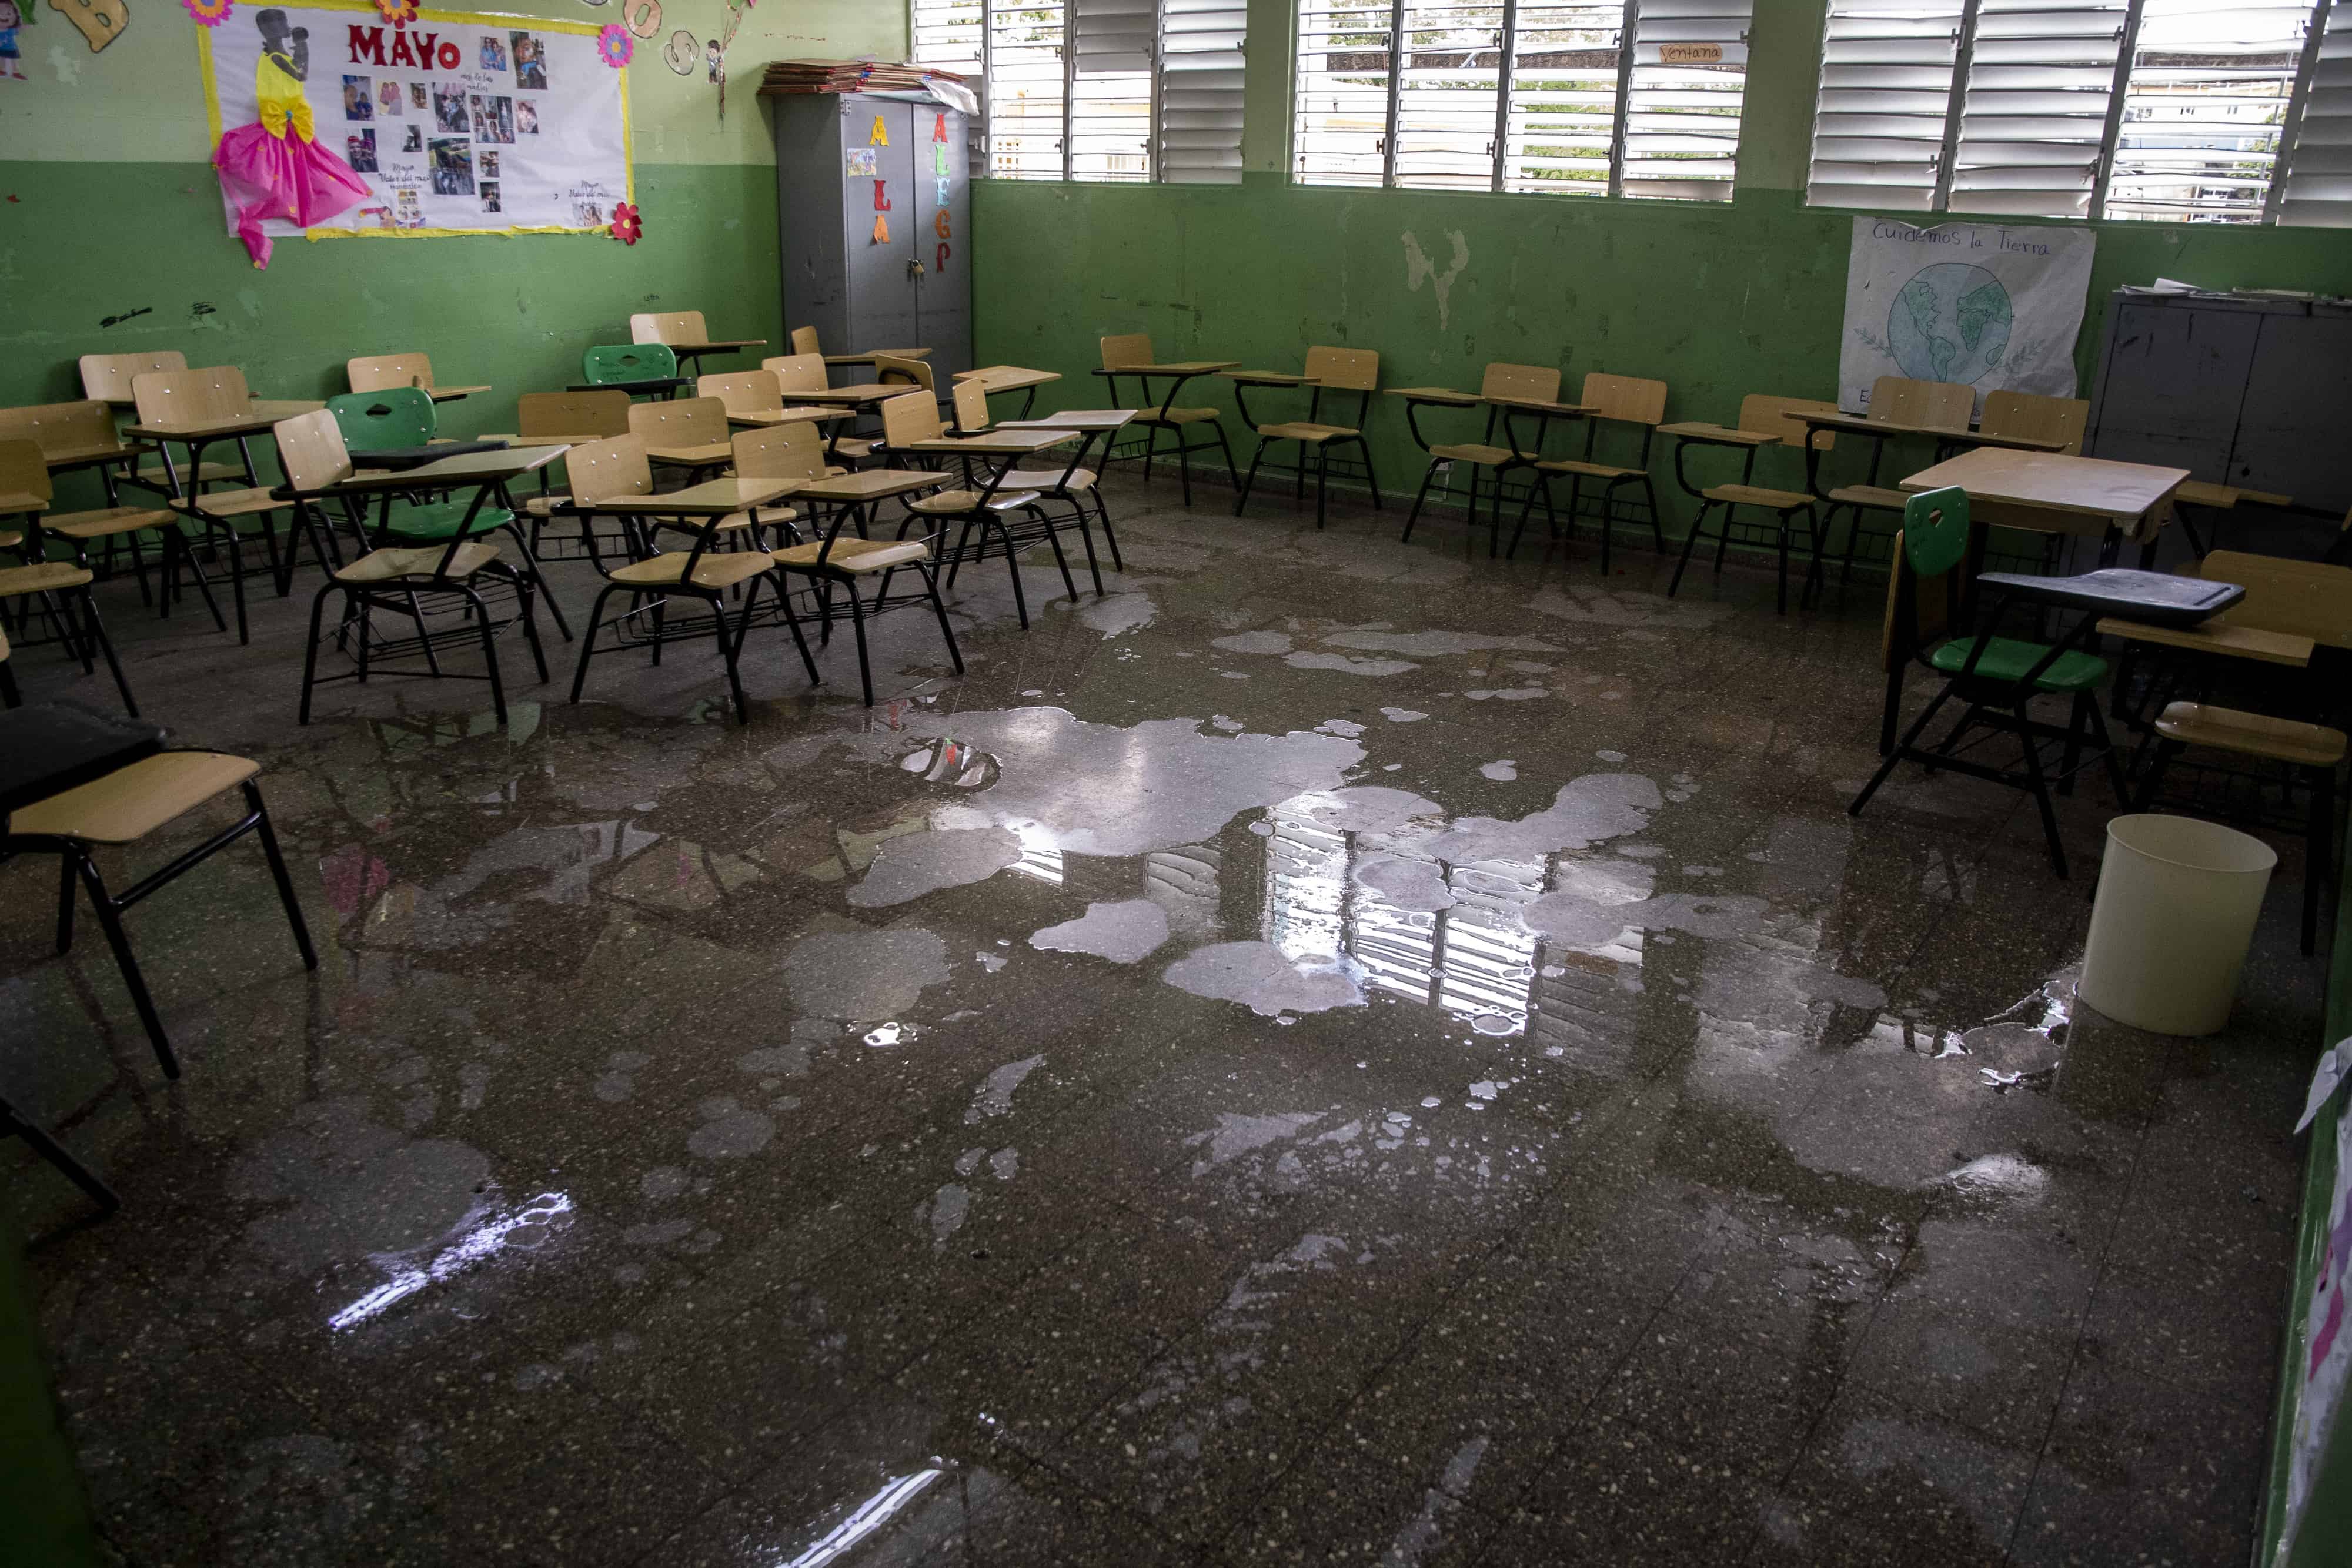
399	13
627	223
209	13
616	45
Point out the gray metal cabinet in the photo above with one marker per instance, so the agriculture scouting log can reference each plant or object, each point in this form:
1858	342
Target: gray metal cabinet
873	205
2252	392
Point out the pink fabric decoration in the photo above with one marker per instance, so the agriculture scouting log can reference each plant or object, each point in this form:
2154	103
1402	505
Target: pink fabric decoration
272	168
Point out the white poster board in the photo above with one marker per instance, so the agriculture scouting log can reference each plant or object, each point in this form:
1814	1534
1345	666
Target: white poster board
1994	305
461	122
2324	1367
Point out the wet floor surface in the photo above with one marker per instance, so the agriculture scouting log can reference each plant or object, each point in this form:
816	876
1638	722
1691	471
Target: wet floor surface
1338	1052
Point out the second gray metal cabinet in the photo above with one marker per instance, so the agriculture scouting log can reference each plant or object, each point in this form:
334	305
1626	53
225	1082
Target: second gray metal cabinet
873	203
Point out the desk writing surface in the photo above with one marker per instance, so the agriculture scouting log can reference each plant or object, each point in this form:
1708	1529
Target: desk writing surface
873	483
1538	405
1270	378
451	395
2217	637
483	468
1173	367
867	391
712	498
259	417
1009	378
2090	485
1074	419
1861	425
868	357
1691	430
716	345
2159	598
767	417
633	386
999	443
1435	394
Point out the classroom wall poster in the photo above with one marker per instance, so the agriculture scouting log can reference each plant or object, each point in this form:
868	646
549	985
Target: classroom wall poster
1998	307
460	122
2327	1359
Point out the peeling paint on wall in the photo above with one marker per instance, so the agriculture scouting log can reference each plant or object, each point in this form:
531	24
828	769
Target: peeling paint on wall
1417	265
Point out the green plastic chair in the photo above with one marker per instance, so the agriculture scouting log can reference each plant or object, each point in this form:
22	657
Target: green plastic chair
610	364
391	420
1928	600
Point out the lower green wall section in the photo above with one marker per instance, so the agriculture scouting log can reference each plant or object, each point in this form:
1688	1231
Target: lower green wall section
83	242
1718	301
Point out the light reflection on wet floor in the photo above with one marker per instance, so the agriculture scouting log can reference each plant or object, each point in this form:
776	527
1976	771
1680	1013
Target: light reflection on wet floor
1259	1070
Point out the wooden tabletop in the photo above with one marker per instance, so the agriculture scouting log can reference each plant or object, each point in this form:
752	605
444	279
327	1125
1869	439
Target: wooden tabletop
450	394
259	417
872	485
2087	487
1435	394
1539	406
1074	419
1009	378
868	357
1693	430
2218	636
469	468
712	498
77	456
763	417
866	391
1173	367
635	384
1861	425
997	443
1271	378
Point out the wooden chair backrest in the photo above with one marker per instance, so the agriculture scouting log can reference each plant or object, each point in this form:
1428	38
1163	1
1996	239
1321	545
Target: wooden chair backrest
58	427
783	452
797	372
23	470
669	326
1932	405
166	397
382	372
1627	398
889	370
311	449
805	341
108	376
1761	414
686	422
1345	370
972	406
2037	418
604	469
1921	611
572	413
910	417
2301	598
743	392
1126	350
1538	382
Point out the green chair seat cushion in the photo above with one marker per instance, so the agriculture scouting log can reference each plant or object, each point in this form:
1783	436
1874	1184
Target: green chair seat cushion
2007	659
442	520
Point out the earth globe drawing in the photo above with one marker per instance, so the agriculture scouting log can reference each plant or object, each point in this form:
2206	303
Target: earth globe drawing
1950	323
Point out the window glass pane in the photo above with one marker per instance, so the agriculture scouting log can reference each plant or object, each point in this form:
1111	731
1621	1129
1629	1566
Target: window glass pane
1563	100
2209	89
2036	110
1340	127
1446	96
1886	87
2319	179
1024	91
1682	113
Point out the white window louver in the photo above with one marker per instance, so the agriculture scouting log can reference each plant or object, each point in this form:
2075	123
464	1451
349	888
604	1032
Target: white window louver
2035	114
1111	44
1682	102
1340	126
2209	89
2318	191
1202	46
951	34
1886	93
1448	75
1026	102
1561	136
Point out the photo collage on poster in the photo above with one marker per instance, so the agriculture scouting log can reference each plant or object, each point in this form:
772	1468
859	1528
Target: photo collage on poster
458	124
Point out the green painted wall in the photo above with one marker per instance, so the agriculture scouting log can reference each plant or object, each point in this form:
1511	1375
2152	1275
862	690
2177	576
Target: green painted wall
107	204
1716	300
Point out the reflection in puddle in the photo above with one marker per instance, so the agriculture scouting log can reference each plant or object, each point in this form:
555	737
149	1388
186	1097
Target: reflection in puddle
475	1245
871	1515
952	762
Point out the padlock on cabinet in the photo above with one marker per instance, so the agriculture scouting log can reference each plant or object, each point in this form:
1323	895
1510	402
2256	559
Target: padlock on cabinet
914	268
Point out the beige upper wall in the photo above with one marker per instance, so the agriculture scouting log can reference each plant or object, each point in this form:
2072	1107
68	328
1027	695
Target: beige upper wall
142	98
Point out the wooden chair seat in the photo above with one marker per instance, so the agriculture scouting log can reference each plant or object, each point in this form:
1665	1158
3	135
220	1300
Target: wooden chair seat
132	802
238	503
154	473
106	523
856	446
949	503
766	516
16	503
419	561
1758	496
2252	734
10	539
49	577
1588	470
1175	416
2197	493
1877	496
712	571
1307	431
546	505
1051	479
1479	453
853	556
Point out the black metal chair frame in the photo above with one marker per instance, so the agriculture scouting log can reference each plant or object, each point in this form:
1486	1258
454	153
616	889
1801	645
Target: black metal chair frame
1518	459
1155	420
1322	449
827	577
15	1123
1606	518
1779	530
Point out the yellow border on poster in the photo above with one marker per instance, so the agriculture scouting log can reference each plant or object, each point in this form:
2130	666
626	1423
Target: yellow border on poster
469	19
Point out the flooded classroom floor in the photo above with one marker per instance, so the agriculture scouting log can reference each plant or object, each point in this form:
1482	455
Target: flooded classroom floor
1335	1051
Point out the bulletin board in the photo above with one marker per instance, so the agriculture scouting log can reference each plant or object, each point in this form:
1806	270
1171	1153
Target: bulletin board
460	122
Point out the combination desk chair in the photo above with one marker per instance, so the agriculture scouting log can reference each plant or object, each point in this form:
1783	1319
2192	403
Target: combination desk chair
122	808
691	434
385	372
798	372
805	341
436	551
1073	484
1764	421
685	332
75	436
106	378
55	585
1931	621
564	419
1630	404
1893	400
1129	355
639	370
755	399
1538	383
1331	369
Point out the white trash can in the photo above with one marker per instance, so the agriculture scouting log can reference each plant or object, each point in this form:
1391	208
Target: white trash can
2172	920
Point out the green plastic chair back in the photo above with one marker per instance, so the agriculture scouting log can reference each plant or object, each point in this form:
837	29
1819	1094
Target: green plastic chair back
610	362
1936	530
386	420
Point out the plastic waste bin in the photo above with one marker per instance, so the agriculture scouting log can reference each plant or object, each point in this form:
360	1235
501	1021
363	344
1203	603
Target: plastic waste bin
2171	922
